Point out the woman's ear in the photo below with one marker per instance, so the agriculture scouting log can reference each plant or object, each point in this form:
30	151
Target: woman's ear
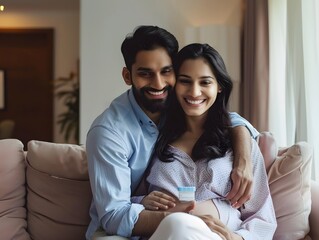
126	76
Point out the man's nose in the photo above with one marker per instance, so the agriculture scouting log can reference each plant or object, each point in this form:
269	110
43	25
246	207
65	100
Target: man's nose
158	82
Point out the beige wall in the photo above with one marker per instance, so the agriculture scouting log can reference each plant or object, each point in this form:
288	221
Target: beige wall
66	40
104	25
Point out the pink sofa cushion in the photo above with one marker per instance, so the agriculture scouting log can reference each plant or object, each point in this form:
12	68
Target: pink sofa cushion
13	222
289	183
60	160
59	193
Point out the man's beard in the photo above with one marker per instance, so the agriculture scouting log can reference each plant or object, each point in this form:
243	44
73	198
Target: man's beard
151	105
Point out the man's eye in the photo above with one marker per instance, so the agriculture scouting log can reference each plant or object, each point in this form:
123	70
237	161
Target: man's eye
144	74
167	71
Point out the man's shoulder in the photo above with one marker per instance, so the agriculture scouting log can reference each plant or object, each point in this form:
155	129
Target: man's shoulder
119	114
119	107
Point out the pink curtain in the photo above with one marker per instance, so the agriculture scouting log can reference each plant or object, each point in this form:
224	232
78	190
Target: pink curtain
255	64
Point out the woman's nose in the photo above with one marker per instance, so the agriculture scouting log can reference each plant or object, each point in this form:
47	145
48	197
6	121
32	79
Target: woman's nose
195	90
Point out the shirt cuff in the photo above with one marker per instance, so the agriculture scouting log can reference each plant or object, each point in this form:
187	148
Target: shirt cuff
137	199
237	120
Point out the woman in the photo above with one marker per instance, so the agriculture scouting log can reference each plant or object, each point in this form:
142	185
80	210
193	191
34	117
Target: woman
194	149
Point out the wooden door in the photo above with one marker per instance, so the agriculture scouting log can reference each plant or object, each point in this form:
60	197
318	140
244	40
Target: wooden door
26	56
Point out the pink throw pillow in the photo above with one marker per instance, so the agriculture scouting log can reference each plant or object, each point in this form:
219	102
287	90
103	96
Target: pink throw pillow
289	183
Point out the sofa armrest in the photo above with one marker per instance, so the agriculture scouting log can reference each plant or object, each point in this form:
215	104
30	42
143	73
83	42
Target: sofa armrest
314	215
13	215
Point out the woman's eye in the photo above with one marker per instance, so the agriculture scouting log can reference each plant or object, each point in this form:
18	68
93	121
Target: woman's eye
206	82
184	81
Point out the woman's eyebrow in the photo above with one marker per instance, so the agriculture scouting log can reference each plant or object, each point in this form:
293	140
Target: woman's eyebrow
201	77
204	77
183	75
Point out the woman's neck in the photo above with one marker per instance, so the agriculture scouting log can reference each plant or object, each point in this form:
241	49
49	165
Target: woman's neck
194	129
195	125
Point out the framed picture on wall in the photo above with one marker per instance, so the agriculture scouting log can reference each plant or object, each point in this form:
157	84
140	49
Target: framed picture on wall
2	90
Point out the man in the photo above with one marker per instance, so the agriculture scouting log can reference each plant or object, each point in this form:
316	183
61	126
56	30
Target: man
120	140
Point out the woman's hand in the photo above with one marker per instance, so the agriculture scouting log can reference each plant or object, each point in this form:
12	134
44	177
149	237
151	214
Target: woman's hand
158	201
164	201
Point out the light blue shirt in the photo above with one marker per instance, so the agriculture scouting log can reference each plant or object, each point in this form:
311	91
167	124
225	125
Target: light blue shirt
119	145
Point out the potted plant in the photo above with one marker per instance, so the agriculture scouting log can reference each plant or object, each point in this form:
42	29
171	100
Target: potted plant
68	91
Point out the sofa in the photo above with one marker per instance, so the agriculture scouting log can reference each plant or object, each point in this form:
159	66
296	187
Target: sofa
45	191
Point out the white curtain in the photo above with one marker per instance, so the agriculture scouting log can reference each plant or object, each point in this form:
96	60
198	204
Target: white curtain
294	73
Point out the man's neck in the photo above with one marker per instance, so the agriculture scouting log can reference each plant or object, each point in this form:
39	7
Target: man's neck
155	117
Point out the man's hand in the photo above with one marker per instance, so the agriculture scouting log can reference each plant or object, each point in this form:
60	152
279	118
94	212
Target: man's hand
242	173
158	201
242	186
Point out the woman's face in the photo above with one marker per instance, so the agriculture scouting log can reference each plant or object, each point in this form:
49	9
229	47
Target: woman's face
196	87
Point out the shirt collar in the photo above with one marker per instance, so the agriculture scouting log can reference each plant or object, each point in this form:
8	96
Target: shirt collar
141	115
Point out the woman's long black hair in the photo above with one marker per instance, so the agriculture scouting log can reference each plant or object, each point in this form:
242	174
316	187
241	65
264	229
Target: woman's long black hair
215	140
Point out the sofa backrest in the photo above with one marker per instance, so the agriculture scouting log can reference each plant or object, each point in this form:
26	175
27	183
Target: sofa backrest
58	191
59	194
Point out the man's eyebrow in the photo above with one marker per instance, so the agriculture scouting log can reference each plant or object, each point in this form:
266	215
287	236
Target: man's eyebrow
168	67
144	69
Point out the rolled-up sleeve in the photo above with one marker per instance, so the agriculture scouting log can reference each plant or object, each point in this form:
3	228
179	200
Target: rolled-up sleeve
237	120
110	178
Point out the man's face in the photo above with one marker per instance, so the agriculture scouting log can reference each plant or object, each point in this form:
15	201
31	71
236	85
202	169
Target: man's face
152	78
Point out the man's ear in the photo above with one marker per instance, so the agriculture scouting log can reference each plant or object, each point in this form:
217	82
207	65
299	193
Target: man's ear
126	76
